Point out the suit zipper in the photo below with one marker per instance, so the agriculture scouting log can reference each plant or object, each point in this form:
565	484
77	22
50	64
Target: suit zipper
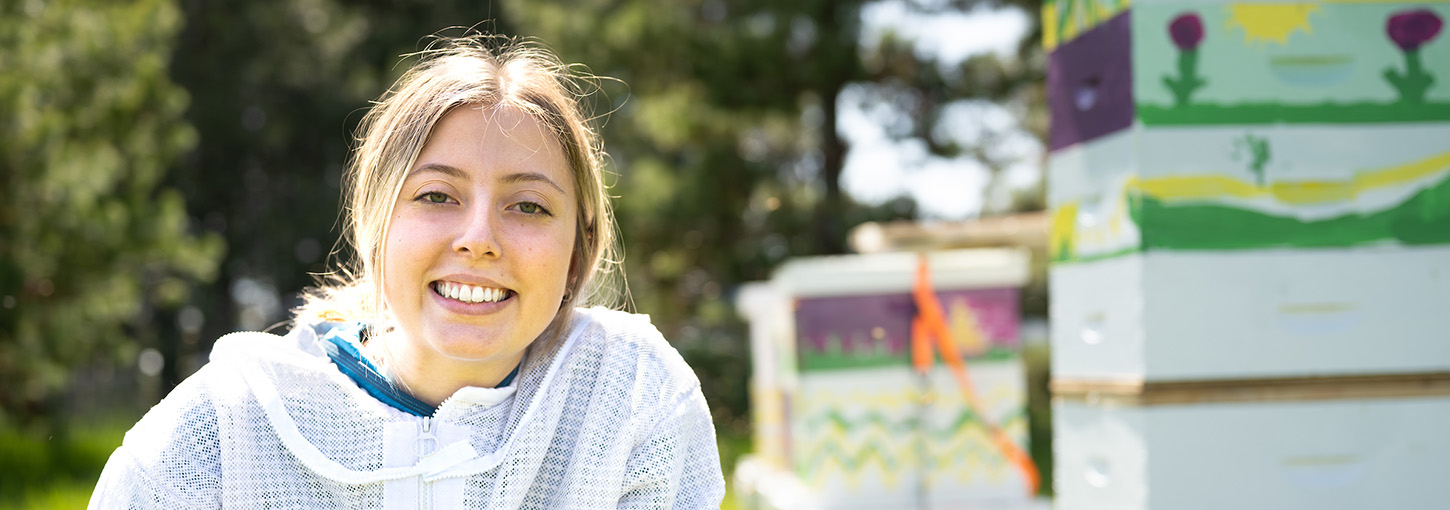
425	492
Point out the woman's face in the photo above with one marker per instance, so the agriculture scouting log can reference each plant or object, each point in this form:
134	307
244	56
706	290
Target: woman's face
477	256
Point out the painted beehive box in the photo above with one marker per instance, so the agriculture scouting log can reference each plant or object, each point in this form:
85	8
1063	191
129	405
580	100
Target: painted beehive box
872	438
1248	189
1183	256
1209	125
865	430
1175	63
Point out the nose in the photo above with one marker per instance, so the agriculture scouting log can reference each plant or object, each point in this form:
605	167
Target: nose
478	234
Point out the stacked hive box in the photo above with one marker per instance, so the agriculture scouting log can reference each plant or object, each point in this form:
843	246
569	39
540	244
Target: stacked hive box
1251	253
842	420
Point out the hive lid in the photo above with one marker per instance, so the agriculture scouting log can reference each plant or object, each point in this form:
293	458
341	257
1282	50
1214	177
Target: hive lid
883	273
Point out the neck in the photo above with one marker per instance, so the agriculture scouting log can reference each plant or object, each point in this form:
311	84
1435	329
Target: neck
432	379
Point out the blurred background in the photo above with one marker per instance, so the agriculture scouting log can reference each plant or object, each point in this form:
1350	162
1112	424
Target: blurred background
171	173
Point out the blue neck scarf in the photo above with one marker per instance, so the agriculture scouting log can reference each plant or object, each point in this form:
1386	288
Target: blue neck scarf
343	344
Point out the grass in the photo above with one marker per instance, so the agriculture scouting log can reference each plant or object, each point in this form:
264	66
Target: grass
734	441
50	472
60	494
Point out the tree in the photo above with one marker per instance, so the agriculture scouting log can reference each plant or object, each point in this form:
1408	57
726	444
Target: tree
92	247
278	89
722	129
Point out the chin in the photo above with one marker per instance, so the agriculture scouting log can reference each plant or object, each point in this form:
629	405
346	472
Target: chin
467	347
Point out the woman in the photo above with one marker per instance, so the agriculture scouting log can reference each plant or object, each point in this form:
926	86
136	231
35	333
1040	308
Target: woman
454	370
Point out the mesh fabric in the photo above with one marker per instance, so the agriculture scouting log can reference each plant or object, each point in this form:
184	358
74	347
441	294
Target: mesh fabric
606	416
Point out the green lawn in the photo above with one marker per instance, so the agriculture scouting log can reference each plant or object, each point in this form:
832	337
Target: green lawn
46	472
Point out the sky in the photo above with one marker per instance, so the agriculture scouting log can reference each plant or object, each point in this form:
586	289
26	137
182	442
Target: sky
878	169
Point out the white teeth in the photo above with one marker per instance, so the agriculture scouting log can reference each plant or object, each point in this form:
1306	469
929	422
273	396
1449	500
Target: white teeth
471	294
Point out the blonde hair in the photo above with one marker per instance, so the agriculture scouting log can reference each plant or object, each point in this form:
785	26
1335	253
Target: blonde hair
453	72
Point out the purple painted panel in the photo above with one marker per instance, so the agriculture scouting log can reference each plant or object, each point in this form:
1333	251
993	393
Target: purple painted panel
850	331
1090	84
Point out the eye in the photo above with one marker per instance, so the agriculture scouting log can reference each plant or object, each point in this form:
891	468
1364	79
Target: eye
434	197
531	208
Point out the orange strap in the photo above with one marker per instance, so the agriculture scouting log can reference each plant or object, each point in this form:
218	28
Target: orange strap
930	322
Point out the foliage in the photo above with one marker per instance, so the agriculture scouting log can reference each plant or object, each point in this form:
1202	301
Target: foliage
130	118
723	136
1037	359
55	471
279	87
91	246
714	124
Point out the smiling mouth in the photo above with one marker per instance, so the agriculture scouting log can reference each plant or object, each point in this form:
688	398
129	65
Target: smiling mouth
470	293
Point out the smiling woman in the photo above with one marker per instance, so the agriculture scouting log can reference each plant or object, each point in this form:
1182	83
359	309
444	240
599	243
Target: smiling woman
478	251
454	364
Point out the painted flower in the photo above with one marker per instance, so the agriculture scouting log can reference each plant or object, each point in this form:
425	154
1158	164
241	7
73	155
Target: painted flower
1411	29
1187	31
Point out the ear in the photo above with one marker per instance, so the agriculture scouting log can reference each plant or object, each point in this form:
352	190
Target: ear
576	260
582	243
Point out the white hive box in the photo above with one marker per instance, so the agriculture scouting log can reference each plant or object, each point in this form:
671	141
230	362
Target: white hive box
773	378
1281	313
1350	454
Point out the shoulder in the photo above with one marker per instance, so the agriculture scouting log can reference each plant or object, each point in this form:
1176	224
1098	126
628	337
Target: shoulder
190	410
622	336
173	452
299	345
632	356
181	441
189	414
673	459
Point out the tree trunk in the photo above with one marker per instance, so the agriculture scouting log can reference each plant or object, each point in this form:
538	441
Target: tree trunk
830	225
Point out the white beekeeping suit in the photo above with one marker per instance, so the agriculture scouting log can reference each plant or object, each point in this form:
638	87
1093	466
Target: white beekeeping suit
607	416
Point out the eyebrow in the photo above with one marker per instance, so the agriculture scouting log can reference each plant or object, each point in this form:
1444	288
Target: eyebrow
532	177
512	178
448	170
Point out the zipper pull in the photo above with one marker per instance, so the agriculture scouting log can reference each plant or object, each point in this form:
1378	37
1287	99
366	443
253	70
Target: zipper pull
426	442
435	459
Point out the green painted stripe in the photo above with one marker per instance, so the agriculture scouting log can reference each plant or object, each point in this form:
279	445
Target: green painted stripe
1421	220
1268	113
1059	259
890	426
853	458
1063	18
818	361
